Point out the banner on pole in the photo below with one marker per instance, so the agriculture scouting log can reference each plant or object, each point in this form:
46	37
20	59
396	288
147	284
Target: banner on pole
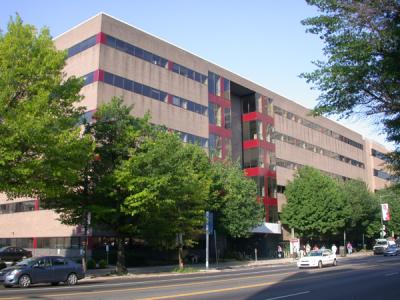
385	212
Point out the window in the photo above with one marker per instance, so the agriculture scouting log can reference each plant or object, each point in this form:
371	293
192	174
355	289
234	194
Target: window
215	146
227	117
59	261
82	46
271	187
215	114
227	89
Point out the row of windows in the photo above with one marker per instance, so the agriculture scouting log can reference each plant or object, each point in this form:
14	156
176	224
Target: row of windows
82	46
306	123
382	174
189	105
216	113
49	243
193	139
217	143
16	207
140	53
189	73
136	51
379	155
316	149
147	91
295	166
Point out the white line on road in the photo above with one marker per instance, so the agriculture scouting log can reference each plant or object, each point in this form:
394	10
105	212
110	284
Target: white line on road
290	295
391	274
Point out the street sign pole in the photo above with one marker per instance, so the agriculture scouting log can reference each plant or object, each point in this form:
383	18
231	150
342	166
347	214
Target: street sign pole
207	235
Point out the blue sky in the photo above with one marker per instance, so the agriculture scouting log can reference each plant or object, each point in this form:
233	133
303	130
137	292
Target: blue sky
261	40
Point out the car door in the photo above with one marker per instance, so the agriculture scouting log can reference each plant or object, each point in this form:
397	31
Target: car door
60	268
42	270
327	258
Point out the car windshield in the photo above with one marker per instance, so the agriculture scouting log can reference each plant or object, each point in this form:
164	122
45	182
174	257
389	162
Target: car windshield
27	262
315	253
381	243
3	248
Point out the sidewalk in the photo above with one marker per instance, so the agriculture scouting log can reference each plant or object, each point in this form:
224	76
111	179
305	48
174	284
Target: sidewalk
157	271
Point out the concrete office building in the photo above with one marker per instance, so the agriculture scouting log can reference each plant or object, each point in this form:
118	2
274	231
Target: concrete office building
228	115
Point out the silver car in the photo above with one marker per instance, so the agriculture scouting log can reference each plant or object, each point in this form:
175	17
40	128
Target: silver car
45	269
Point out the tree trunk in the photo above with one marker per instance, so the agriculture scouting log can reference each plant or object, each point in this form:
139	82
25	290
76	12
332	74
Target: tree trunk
121	268
180	255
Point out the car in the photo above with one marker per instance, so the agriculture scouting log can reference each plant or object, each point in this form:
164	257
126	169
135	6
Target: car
318	258
392	250
13	254
45	269
380	246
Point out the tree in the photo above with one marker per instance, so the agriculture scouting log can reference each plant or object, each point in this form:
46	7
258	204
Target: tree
362	71
167	184
391	196
315	205
116	133
233	199
364	209
41	150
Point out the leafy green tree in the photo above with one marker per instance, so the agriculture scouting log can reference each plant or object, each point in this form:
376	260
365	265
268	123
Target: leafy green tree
167	185
362	70
364	209
233	199
115	133
391	196
315	204
41	149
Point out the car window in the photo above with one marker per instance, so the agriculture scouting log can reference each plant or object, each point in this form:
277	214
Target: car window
43	262
59	261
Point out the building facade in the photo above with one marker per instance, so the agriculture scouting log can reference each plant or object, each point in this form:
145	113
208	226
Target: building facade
226	114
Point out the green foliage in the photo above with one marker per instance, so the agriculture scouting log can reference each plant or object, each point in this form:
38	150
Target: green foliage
391	196
103	264
364	209
233	200
41	151
362	71
91	264
167	185
185	270
315	204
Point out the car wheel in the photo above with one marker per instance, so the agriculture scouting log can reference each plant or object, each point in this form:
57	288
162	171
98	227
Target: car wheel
55	283
72	279
320	265
24	281
334	263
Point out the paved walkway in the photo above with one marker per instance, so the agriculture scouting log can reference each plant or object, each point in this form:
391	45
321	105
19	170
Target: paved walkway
156	271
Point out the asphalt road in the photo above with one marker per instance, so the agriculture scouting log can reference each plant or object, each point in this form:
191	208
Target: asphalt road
371	277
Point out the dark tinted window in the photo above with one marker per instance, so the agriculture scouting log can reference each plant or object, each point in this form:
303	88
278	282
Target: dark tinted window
59	261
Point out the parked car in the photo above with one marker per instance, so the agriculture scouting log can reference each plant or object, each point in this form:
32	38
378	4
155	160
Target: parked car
45	269
318	258
380	246
14	253
392	250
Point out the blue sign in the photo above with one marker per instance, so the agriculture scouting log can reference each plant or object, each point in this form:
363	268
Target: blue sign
209	222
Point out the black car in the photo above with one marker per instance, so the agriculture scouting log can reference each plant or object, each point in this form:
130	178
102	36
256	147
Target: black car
45	269
10	253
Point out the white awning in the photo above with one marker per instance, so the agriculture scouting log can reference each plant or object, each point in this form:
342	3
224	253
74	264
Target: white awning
273	228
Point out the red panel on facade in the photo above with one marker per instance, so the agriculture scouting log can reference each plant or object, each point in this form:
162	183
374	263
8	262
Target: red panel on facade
252	116
219	100
98	75
257	143
254	171
220	131
34	243
101	38
271	201
36	204
170	64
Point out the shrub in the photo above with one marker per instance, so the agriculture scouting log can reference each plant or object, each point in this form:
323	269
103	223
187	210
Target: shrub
103	264
91	264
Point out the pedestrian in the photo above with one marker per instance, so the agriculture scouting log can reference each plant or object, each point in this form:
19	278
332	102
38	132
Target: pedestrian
315	248
349	248
308	248
279	250
334	249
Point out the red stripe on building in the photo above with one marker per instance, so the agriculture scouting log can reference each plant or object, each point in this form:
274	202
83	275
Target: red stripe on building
101	38
219	100
227	133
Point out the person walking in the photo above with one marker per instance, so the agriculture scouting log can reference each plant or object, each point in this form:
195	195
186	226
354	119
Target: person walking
308	248
279	250
349	248
334	249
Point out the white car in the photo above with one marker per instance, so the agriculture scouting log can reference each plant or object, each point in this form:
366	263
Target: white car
318	258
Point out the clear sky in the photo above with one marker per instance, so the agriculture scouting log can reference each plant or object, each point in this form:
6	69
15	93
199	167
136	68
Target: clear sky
261	40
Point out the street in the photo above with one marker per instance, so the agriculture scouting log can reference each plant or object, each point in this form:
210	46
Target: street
367	277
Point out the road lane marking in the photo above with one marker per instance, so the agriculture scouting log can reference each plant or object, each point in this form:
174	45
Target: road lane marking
318	273
211	291
391	274
290	295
